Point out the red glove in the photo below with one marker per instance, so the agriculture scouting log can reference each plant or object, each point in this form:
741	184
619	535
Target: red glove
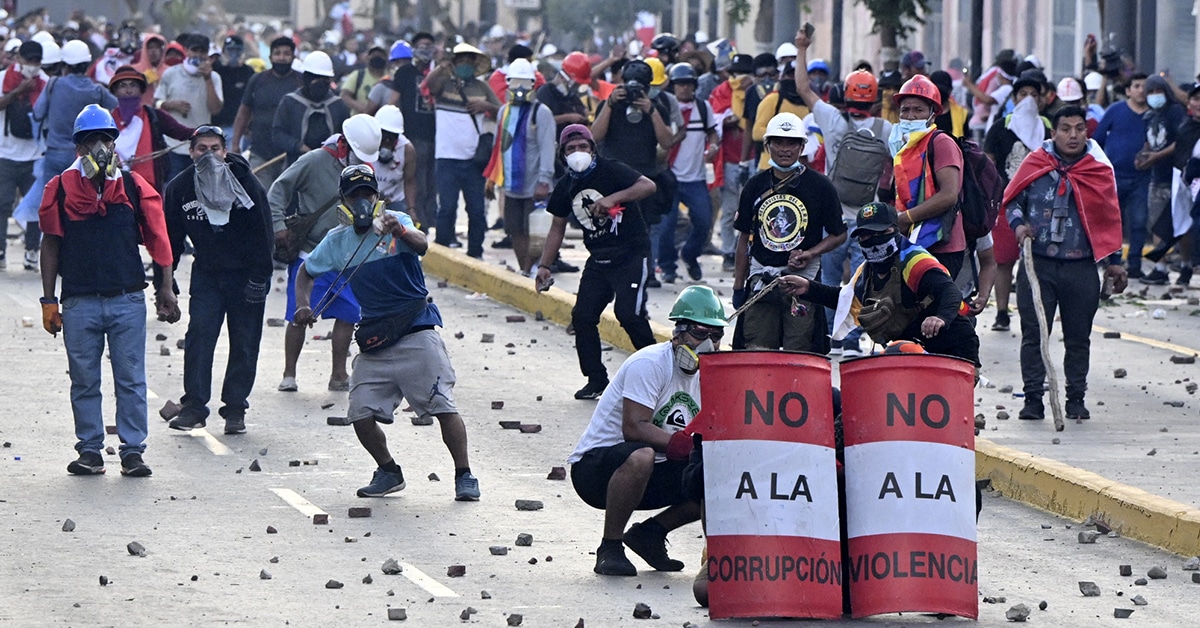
680	445
615	211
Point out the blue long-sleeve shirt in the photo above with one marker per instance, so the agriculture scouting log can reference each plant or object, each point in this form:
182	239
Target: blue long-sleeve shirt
1122	133
62	100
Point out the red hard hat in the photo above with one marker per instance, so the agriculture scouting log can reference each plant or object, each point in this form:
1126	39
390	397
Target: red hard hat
921	87
577	68
861	86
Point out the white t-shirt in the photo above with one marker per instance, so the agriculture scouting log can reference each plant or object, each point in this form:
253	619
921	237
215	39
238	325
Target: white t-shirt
391	174
14	148
648	377
1000	94
689	161
177	84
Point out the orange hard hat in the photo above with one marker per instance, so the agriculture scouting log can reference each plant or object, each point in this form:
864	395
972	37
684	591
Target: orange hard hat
921	87
577	68
861	86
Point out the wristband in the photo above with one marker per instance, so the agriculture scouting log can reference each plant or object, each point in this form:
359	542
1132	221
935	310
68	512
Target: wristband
48	300
546	266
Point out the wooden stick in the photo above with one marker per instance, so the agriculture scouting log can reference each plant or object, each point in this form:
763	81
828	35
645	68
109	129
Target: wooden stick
274	160
752	300
1043	331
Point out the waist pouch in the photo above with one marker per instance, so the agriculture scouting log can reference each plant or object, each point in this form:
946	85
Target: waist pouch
375	334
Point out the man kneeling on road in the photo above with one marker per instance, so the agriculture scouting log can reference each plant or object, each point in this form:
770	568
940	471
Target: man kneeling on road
402	356
632	455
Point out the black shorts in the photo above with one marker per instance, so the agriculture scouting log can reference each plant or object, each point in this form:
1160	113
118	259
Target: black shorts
591	475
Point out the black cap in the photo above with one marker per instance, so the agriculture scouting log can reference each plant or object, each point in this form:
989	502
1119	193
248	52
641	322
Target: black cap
874	217
742	64
765	60
1193	89
519	51
354	177
233	41
1031	77
30	50
196	41
890	79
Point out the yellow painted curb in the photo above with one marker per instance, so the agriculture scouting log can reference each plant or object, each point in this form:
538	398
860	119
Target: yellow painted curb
511	288
1076	494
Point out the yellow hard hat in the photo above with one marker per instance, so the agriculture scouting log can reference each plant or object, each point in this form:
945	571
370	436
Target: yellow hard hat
660	72
258	65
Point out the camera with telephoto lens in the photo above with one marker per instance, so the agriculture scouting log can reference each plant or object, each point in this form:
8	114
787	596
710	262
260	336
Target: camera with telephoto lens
1111	63
633	92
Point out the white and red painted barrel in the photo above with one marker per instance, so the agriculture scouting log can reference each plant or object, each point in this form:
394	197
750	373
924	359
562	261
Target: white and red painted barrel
770	482
910	485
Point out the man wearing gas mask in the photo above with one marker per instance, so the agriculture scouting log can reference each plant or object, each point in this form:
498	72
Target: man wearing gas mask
901	292
522	163
401	354
93	217
633	452
122	51
309	115
220	206
396	168
193	93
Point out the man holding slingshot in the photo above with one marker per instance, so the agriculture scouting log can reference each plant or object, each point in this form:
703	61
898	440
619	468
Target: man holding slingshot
402	356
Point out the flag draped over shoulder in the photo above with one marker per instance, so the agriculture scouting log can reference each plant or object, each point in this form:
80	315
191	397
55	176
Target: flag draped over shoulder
916	183
506	168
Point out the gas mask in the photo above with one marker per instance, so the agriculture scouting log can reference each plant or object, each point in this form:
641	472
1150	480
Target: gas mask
519	94
687	359
98	160
128	42
386	155
359	213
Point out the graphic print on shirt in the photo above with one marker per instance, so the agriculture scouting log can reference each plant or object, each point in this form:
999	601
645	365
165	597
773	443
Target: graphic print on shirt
677	412
1016	155
581	205
782	220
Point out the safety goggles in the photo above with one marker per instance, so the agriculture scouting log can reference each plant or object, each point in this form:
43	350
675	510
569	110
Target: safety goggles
209	129
359	172
701	333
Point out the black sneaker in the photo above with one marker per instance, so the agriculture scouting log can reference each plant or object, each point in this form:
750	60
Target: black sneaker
1034	410
503	243
613	562
133	466
669	278
727	264
653	282
1155	278
1076	410
593	390
89	463
1185	276
499	224
651	546
694	270
1002	321
1134	272
235	424
559	266
187	422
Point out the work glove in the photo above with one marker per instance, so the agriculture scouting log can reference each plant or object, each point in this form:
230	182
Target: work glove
51	318
680	445
739	297
255	292
693	473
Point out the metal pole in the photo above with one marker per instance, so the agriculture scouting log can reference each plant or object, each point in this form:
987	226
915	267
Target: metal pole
787	22
976	37
835	42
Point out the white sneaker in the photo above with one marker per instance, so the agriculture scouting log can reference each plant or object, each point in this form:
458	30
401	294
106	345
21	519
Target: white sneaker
835	351
31	260
288	384
852	353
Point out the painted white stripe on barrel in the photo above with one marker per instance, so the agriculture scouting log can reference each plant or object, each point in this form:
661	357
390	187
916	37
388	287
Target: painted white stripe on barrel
215	446
431	586
773	512
870	510
306	508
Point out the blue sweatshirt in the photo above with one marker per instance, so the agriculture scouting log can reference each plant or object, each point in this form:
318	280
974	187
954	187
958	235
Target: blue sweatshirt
62	100
1122	134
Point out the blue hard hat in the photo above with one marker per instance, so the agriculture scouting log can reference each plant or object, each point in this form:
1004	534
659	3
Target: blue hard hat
400	50
818	65
94	119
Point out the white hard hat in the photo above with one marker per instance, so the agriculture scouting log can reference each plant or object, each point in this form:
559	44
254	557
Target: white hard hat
75	52
549	50
466	49
297	64
390	119
785	125
1093	80
786	50
521	69
363	133
12	45
318	63
1069	89
51	53
42	37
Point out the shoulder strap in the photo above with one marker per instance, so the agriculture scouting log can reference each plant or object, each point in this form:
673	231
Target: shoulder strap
358	84
877	129
778	103
703	107
131	192
462	92
60	196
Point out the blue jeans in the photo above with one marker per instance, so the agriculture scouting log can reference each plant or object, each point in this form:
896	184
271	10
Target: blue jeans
454	176
1133	194
52	164
693	194
216	298
831	275
88	321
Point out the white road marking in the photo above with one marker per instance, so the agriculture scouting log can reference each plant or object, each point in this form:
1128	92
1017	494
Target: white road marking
151	395
306	508
215	446
431	586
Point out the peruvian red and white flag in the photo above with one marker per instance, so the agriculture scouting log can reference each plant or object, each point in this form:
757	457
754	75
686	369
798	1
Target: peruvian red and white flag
645	27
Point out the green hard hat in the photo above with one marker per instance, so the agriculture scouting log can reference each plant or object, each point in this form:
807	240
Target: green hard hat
698	304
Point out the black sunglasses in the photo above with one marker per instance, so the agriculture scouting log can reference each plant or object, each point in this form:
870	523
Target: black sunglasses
706	333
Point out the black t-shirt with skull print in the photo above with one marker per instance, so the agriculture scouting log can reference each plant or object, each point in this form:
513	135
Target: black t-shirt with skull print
796	216
607	238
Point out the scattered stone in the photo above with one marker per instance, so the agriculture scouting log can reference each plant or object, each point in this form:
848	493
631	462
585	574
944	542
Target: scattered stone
524	539
994	599
1046	526
367	579
320	519
497	405
254	466
1191	387
1056	440
350	539
262	452
1157	573
1088	536
1126	570
1019	613
1005	389
110	429
459	335
1183	359
530	428
333	584
510	425
68	526
326	406
276	322
1173	404
1196	578
484	595
422	420
1138	600
274	560
137	549
264	575
7	445
515	619
272	530
529	504
1042	605
293	463
641	611
456	571
164	350
433	477
488	338
1152	452
467	612
550	559
579	624
1119	373
1113	534
1089	589
1141	582
397	614
514	318
498	550
180	344
391	567
1191	564
103	581
311	463
533	561
557	473
1122	613
359	512
170	410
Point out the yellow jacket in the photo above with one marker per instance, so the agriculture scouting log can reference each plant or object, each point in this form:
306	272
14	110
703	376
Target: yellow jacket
766	111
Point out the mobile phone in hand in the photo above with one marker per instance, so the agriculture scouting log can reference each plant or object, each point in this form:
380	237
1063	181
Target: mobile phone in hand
809	29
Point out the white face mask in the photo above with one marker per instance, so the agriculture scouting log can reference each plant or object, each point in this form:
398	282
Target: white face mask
900	132
30	71
579	161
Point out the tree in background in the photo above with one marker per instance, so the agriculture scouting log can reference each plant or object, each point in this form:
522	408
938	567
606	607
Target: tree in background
894	19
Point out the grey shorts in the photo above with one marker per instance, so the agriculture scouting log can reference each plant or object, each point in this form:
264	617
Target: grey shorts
417	369
516	215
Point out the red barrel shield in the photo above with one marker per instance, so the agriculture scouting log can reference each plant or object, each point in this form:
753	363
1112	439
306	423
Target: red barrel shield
770	483
910	485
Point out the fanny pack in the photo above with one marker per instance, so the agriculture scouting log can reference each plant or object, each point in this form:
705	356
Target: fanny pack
375	334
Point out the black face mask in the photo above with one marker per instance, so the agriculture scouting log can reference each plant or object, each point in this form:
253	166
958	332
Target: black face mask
281	68
377	63
317	90
787	89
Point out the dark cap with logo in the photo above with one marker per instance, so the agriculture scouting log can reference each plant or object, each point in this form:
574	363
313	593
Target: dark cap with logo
874	217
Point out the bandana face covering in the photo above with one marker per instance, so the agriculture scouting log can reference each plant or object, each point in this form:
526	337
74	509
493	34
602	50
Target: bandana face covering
217	190
128	106
878	249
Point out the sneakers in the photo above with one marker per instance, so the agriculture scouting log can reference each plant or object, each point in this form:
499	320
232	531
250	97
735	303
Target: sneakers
1076	410
559	266
288	384
1135	272
1185	276
31	260
383	483
235	424
852	352
89	463
1155	278
593	390
651	545
466	488
669	277
187	422
3	263
503	243
1002	321
339	385
727	264
653	282
694	270
611	561
133	466
1033	410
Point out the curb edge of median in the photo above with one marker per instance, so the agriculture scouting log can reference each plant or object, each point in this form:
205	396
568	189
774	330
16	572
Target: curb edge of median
1076	494
511	288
